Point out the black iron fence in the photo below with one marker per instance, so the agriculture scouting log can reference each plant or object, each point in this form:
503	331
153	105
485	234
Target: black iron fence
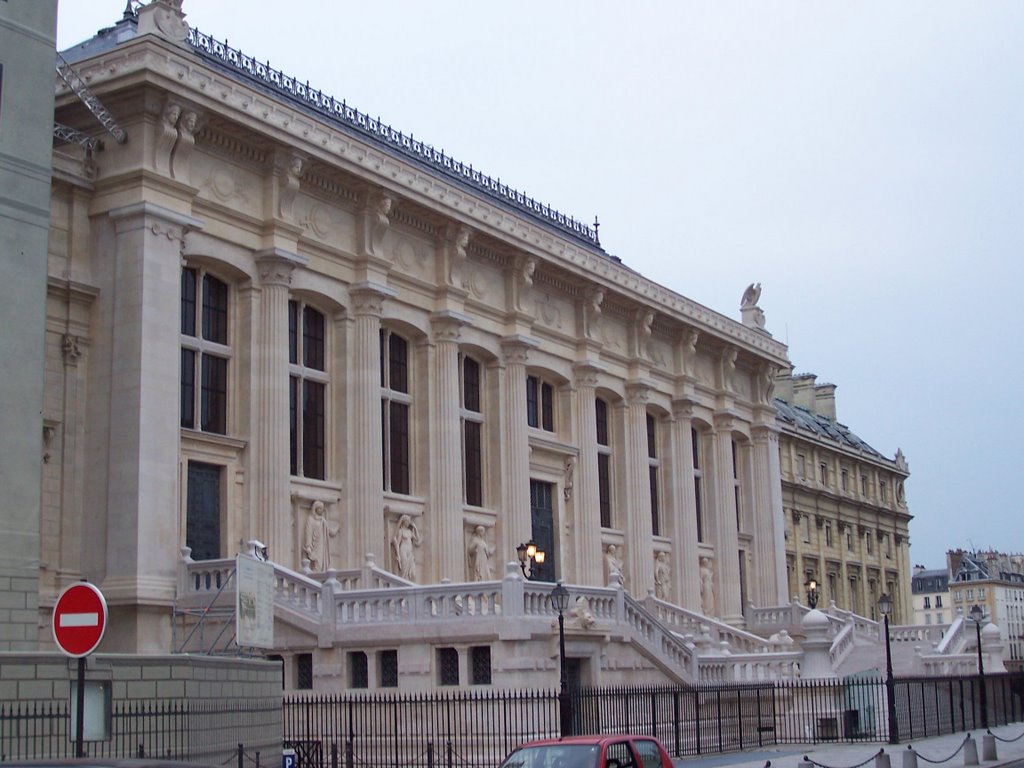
181	730
480	728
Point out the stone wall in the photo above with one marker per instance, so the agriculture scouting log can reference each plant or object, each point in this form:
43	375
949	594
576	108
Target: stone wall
198	708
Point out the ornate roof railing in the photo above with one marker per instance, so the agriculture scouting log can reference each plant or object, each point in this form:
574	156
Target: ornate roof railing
352	119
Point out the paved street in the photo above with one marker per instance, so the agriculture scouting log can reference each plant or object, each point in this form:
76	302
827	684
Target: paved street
942	750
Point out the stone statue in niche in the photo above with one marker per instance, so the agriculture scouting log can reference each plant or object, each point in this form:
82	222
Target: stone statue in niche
612	564
662	573
707	587
478	555
403	546
316	543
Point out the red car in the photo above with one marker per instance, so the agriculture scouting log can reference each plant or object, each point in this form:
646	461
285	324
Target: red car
608	751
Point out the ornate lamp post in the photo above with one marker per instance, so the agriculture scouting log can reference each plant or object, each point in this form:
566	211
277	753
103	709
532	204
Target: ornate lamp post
560	602
811	588
885	608
977	615
529	556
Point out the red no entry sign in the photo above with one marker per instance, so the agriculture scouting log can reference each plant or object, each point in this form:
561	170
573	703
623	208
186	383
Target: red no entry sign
79	619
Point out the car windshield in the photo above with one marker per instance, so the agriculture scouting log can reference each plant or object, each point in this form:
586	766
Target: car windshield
554	756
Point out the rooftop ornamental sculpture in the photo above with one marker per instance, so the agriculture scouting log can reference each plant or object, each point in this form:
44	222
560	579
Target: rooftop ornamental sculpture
352	119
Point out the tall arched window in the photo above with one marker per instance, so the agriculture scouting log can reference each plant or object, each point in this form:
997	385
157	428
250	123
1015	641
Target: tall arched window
394	410
604	463
472	418
307	390
653	468
698	480
204	352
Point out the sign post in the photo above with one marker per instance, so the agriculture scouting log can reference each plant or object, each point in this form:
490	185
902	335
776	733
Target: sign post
79	621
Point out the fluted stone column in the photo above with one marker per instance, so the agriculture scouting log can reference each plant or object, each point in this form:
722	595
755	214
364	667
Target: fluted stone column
683	500
639	532
724	529
516	445
367	474
270	430
446	449
586	511
769	583
139	500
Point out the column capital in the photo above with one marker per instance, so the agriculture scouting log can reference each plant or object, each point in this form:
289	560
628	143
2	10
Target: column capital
765	432
638	391
682	407
159	220
517	348
586	372
447	325
726	420
368	297
276	265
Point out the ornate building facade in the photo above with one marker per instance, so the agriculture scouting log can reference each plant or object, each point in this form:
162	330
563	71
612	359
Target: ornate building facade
276	325
845	506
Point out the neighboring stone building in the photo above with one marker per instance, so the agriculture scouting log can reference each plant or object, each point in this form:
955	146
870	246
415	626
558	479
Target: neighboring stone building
930	589
845	508
27	35
994	581
275	324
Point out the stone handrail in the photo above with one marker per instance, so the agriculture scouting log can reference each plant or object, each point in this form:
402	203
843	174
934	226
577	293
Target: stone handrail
751	667
684	622
767	620
955	638
843	644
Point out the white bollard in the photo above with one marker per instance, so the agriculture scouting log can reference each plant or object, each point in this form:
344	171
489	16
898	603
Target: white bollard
909	757
882	759
970	751
988	747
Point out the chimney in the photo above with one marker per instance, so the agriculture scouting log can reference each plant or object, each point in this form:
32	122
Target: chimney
803	390
784	384
825	400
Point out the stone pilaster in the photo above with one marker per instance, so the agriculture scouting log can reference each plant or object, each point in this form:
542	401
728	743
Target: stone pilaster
768	585
639	536
586	512
140	496
446	449
270	431
725	532
682	512
367	474
516	444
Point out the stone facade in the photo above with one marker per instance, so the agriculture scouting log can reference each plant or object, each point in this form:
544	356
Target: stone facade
994	581
845	505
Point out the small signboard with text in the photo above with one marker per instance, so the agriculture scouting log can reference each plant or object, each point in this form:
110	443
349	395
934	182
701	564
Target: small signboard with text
254	606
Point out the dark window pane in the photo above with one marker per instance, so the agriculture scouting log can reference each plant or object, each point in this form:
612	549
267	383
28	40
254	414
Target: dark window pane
547	407
699	509
313	430
448	666
473	464
293	424
471	385
383	358
293	332
604	488
358	670
188	389
531	401
304	671
385	441
215	310
388	669
652	437
735	469
188	302
313	339
695	442
214	405
399	438
601	408
398	351
480	664
655	512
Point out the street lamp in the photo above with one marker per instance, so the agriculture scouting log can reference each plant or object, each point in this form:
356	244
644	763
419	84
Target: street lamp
885	608
560	602
811	588
978	617
529	555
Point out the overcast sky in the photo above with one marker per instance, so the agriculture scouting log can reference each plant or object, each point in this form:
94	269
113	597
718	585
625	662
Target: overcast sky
863	161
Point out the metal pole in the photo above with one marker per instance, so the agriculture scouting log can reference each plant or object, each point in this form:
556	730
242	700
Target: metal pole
981	676
890	688
564	705
80	714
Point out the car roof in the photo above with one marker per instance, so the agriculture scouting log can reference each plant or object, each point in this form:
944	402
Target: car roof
597	739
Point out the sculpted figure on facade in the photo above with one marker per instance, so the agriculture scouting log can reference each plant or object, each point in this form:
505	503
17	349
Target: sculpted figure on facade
582	614
523	281
750	313
662	575
458	242
612	564
167	139
181	155
592	312
570	468
316	543
707	587
403	546
478	555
